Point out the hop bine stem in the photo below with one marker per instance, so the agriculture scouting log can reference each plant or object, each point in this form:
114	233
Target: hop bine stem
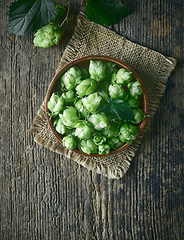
66	18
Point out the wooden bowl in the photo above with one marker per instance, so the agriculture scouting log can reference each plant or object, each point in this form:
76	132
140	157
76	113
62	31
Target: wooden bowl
83	62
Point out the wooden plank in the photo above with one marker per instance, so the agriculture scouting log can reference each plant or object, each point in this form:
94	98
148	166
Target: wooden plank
47	196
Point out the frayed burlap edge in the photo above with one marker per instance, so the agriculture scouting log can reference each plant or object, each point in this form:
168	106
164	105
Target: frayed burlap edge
113	166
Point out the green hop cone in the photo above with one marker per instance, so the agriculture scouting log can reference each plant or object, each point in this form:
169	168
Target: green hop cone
69	117
84	73
134	103
48	35
86	87
103	85
55	103
59	126
104	149
110	68
71	78
104	94
123	76
81	109
105	97
128	132
68	97
99	121
97	70
98	138
69	142
139	115
61	86
117	91
113	78
83	130
92	102
135	89
60	12
114	142
112	131
88	146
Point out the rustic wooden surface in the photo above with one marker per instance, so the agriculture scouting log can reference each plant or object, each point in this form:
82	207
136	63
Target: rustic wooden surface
47	196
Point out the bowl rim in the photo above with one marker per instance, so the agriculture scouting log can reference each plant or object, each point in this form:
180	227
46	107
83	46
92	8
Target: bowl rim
96	57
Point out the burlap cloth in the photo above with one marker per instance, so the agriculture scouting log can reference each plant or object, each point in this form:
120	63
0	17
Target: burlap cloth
152	67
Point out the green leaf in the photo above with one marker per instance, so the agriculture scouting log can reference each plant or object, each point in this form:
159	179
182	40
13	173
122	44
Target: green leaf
119	109
106	12
26	16
60	12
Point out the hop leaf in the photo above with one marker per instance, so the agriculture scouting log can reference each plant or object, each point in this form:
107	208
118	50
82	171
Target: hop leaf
26	16
106	12
60	11
120	109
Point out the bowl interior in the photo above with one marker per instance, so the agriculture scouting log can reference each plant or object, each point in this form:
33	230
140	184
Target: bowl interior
84	62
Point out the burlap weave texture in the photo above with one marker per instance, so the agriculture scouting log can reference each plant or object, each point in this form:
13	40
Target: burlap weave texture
152	67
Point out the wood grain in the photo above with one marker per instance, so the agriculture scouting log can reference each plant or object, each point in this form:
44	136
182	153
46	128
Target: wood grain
47	196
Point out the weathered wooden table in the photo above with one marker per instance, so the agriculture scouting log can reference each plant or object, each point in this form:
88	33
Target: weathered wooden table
47	196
